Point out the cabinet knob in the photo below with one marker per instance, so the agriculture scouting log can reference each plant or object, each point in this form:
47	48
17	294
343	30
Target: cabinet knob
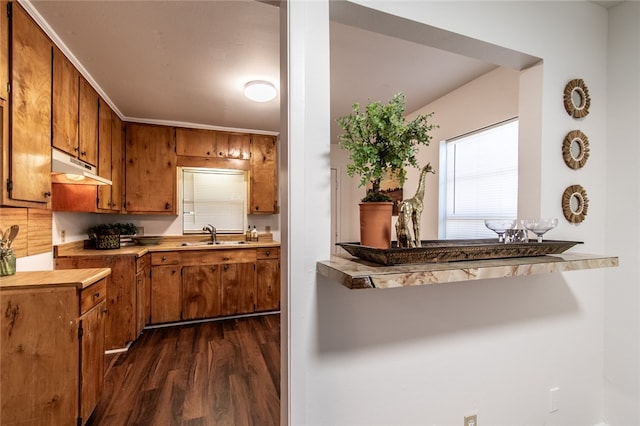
76	148
167	206
164	258
96	295
47	194
84	153
208	153
267	252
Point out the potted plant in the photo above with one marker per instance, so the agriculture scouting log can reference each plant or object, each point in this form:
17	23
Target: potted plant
381	143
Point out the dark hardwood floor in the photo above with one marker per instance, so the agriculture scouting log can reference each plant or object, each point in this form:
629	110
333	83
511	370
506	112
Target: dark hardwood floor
223	373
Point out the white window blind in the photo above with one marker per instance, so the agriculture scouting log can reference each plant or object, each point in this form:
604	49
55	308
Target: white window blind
214	196
479	180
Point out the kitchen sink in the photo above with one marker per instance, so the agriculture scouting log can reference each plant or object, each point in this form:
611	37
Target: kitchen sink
199	243
230	243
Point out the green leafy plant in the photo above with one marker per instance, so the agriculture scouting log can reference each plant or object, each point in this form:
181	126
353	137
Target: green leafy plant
381	141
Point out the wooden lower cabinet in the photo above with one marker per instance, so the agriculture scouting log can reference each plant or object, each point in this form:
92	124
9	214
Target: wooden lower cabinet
191	285
201	292
143	288
166	294
268	279
122	323
52	351
238	288
92	358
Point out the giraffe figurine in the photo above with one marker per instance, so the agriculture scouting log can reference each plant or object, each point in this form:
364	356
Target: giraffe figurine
411	210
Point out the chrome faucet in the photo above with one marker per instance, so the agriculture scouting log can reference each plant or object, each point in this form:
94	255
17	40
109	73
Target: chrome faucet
211	230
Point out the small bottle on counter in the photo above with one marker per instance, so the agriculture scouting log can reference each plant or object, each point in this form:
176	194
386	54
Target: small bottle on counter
254	234
247	235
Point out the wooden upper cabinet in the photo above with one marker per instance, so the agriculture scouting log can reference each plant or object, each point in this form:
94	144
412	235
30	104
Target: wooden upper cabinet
117	162
4	51
30	115
263	192
195	142
233	145
104	139
88	123
66	79
75	111
105	153
150	169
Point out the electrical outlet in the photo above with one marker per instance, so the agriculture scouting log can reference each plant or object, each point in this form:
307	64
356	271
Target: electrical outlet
63	235
471	420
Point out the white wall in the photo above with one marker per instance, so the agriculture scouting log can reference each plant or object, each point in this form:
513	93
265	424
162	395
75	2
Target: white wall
622	295
430	355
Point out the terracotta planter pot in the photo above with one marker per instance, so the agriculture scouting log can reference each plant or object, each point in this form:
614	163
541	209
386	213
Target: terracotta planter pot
375	224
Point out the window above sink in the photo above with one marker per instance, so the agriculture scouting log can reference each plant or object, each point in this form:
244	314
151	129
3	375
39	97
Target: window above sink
213	196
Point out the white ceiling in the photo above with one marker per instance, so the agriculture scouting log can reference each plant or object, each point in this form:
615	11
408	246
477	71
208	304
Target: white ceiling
186	62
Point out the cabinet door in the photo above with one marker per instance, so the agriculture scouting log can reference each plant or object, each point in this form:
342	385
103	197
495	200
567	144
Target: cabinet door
267	284
201	292
166	294
88	116
39	353
141	286
233	145
121	294
150	169
117	172
4	51
238	288
65	104
264	175
104	153
30	111
91	359
196	142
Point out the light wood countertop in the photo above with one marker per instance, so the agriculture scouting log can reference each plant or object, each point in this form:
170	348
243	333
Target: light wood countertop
79	278
166	244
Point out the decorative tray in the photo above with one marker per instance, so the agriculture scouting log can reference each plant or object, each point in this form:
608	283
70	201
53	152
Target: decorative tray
434	251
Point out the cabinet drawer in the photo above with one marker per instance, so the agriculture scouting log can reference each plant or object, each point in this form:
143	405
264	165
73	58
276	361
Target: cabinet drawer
212	257
92	295
141	263
166	258
268	253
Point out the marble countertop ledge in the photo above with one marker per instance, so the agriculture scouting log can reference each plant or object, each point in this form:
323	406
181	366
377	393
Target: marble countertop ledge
355	273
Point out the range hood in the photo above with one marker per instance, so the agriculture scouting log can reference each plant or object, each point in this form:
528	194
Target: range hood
68	169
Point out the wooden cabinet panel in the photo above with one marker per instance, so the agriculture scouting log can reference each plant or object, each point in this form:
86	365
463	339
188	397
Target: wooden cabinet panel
91	359
39	370
105	153
66	90
201	292
117	162
150	164
263	192
120	327
30	117
238	288
165	258
233	145
111	147
4	51
196	142
267	285
166	294
88	123
104	140
142	293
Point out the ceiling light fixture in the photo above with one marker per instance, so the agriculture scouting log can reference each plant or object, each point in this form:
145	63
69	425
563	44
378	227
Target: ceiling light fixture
260	91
